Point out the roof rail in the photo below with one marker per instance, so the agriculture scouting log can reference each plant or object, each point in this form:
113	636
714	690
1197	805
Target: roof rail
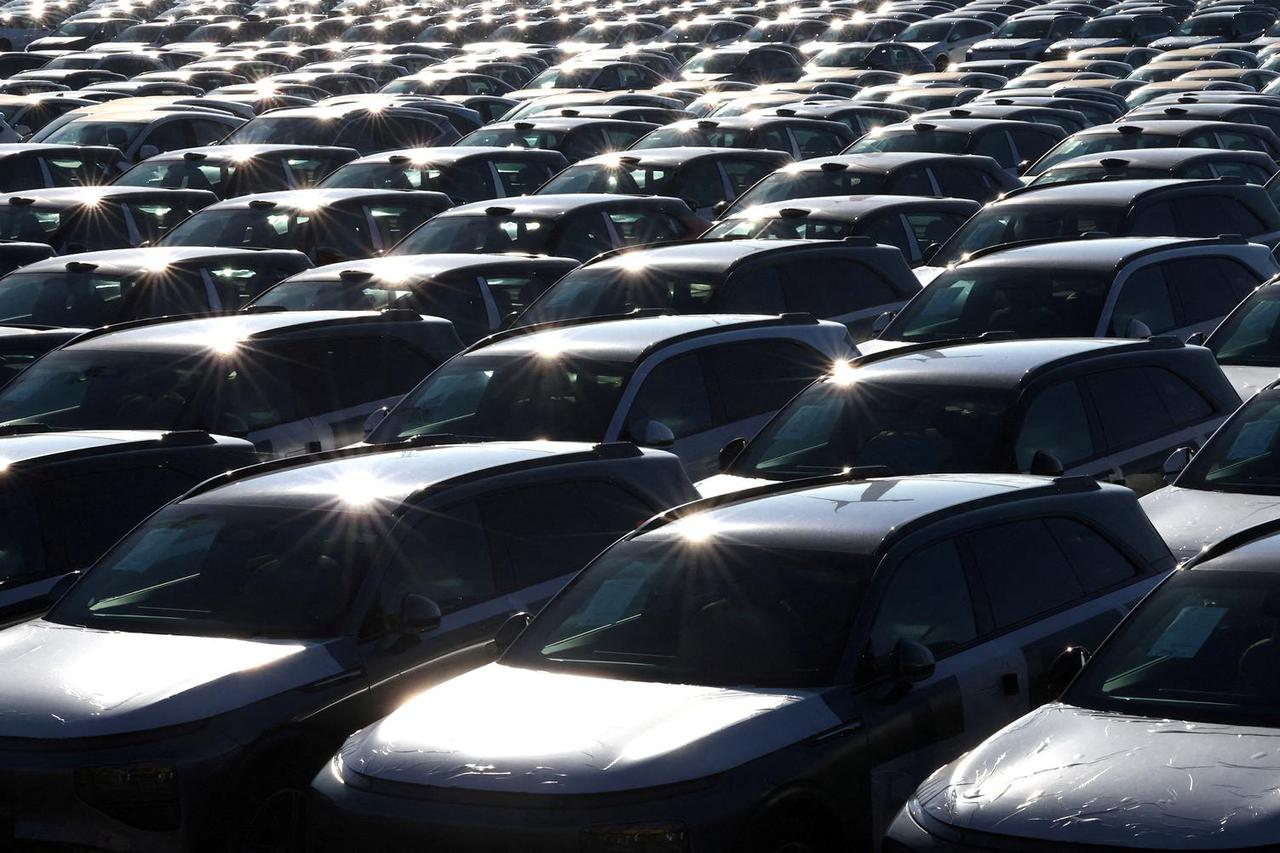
925	346
1234	541
1155	343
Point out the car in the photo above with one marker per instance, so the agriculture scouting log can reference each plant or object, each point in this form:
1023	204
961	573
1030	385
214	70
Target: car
706	178
100	288
33	166
1138	207
478	293
79	34
1068	121
1211	27
234	170
1167	133
1013	144
81	219
1241	113
807	732
578	226
580	73
945	41
1026	36
1251	166
798	137
645	379
1187	673
328	225
891	57
862	118
464	173
70	496
575	138
1104	408
367	130
295	600
1128	30
909	224
137	134
851	282
743	62
28	113
291	382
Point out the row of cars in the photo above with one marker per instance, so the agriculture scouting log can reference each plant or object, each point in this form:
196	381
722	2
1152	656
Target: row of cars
875	362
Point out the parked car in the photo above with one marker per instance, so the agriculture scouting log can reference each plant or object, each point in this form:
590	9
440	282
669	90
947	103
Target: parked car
97	288
328	225
234	170
69	496
1166	133
1027	37
291	382
32	166
1254	167
84	219
137	134
478	293
743	62
851	282
575	138
1103	408
694	708
568	226
645	379
1181	692
462	172
289	603
798	137
1247	344
945	41
1015	145
367	130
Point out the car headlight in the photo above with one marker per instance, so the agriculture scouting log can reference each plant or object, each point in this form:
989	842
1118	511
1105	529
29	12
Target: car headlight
141	795
637	838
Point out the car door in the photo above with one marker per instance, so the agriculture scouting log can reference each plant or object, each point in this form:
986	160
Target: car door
673	392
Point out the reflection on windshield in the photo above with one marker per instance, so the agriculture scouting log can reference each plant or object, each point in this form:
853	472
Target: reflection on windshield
596	293
477	234
784	186
1201	648
683	612
933	142
230	571
511	398
908	428
1251	335
781	229
1242	456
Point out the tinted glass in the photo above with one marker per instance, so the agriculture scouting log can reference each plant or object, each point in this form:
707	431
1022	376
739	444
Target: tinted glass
759	377
673	394
928	602
599	291
1019	585
1129	406
1251	335
1098	564
1243	455
1055	423
477	234
1011	224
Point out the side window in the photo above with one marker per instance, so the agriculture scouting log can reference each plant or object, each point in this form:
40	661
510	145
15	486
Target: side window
459	300
348	372
673	394
913	181
774	139
889	230
205	132
831	287
743	173
995	144
444	555
1128	406
1250	172
1031	144
930	227
960	182
700	184
541	532
22	558
1023	571
1184	403
583	236
643	226
586	142
927	601
1209	216
1144	297
755	291
469	181
1206	288
1154	220
618	137
519	178
817	143
391	222
169	136
1056	423
1097	563
757	377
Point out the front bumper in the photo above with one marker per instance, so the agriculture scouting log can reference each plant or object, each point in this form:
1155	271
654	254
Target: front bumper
41	802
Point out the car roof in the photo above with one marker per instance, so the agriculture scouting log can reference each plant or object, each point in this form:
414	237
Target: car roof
675	155
117	261
1104	193
851	206
553	204
88	195
704	255
853	517
245	151
317	197
1159	157
16	450
422	267
452	153
880	161
384	478
1104	253
543	121
13	149
1163	127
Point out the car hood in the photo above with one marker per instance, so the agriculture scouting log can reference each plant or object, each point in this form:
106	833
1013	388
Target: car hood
60	681
1190	519
515	730
1249	380
1104	779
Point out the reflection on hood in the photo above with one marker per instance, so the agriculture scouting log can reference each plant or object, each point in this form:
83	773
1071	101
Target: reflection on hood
1190	520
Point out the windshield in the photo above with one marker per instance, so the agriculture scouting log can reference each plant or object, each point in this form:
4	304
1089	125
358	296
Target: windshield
186	174
1030	28
1242	456
116	133
781	229
285	130
929	31
713	63
1201	647
239	571
1031	303
715	137
1098	143
697	613
598	292
79	28
1251	335
1011	223
515	397
648	180
1206	25
931	141
908	428
337	296
481	233
783	185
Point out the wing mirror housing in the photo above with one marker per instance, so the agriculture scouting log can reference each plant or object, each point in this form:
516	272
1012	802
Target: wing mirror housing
882	322
1064	669
418	614
731	451
1178	460
912	662
718	209
511	630
926	254
1135	328
374	420
1045	464
658	434
1196	339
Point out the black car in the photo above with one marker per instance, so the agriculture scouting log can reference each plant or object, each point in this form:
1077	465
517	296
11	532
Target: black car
462	172
1161	133
84	219
233	170
1253	167
799	137
575	138
349	126
1015	145
31	166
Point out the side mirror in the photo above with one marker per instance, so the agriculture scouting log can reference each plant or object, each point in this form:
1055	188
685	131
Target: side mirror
510	630
719	208
374	420
1065	667
418	614
911	661
1177	460
882	322
658	434
731	451
1137	329
146	152
1196	339
929	251
1045	464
